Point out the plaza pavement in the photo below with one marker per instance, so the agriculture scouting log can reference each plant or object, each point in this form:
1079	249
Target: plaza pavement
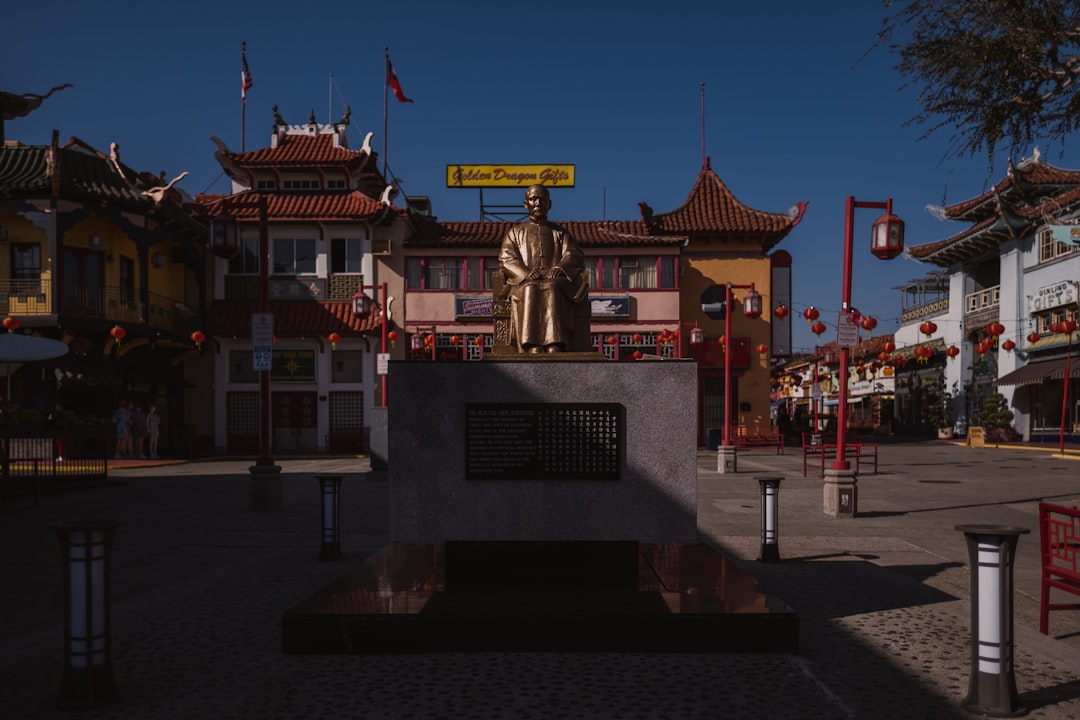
199	585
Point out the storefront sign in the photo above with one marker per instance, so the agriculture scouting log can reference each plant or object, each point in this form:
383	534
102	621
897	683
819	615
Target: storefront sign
293	366
1050	296
610	305
876	386
498	176
472	306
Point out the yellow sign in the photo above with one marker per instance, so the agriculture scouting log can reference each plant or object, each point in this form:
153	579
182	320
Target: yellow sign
498	176
976	437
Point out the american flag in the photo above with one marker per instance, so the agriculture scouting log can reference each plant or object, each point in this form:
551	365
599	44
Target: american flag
245	73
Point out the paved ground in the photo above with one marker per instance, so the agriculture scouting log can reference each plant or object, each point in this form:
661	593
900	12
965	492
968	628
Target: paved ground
199	585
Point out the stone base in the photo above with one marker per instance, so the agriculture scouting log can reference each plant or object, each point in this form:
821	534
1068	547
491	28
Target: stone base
841	493
541	597
264	488
726	459
650	497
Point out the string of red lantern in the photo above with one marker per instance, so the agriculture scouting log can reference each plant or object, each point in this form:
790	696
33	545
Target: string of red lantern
198	338
117	333
334	339
811	314
817	328
781	311
392	336
12	324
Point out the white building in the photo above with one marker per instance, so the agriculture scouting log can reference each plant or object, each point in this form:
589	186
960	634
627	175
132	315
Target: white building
1008	268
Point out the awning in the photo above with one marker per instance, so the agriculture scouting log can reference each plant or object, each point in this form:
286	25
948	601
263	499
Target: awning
1074	370
1034	373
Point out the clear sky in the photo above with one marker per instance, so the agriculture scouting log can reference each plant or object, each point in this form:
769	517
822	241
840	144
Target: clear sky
792	110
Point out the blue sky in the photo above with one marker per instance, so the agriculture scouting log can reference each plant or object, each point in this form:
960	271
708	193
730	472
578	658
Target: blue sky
793	111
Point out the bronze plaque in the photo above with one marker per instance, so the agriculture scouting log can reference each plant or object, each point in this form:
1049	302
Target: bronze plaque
543	441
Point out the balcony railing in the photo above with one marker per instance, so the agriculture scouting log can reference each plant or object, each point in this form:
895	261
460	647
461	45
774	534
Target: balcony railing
938	307
982	300
111	303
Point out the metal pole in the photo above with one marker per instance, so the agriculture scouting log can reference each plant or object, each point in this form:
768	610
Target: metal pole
727	367
770	489
841	463
264	307
330	487
385	378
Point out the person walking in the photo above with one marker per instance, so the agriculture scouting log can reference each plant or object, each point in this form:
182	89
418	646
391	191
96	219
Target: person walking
121	418
138	432
153	430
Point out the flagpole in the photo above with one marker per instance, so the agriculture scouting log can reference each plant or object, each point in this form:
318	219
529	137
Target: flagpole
243	99
385	91
703	124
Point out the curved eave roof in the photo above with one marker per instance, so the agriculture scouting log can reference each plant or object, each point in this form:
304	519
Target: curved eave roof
1025	183
983	237
588	234
292	318
711	209
300	151
299	206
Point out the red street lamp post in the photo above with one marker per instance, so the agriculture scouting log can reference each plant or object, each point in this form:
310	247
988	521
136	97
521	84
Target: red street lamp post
752	310
362	305
265	488
887	241
1067	328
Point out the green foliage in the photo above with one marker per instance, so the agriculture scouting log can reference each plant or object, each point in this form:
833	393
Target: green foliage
996	419
996	71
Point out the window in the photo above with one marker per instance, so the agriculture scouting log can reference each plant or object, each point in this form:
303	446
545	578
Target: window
478	271
1050	249
294	257
1047	318
436	273
300	185
247	260
26	267
346	255
266	185
634	272
335	184
127	280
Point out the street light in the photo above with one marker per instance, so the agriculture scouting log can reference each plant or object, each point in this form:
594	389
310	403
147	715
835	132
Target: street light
362	305
887	241
752	310
265	488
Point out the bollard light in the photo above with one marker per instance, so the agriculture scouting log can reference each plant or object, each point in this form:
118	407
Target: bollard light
770	547
85	548
992	687
330	487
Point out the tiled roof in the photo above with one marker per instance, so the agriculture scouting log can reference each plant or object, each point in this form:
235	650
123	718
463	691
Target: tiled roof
303	206
712	209
87	175
588	233
295	150
294	318
1030	195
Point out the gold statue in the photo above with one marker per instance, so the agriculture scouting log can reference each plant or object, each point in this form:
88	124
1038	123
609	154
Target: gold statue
544	270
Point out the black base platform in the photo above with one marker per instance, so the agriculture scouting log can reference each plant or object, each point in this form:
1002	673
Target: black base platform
541	596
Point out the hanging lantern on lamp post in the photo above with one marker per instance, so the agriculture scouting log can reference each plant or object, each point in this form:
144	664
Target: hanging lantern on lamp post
752	305
225	234
697	336
887	236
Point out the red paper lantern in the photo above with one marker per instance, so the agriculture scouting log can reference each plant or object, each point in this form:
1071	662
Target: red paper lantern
636	338
817	328
12	324
1064	327
611	340
811	314
1034	337
118	333
455	340
478	341
928	328
637	355
392	336
888	346
198	338
883	356
762	348
952	352
781	311
334	339
721	340
868	324
1008	346
995	329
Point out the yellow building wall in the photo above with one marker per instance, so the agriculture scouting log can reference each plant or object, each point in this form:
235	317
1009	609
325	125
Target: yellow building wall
699	272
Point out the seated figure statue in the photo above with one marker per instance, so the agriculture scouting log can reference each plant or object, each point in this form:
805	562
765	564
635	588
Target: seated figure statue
544	271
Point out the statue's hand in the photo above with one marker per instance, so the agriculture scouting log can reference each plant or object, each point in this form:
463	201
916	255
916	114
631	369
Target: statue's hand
534	274
556	272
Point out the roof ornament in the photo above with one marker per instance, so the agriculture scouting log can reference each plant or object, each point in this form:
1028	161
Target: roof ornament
346	117
938	212
157	194
646	213
278	120
114	156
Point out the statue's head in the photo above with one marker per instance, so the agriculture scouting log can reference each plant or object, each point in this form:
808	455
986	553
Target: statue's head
537	202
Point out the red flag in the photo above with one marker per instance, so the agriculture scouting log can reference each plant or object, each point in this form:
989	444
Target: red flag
392	81
245	73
